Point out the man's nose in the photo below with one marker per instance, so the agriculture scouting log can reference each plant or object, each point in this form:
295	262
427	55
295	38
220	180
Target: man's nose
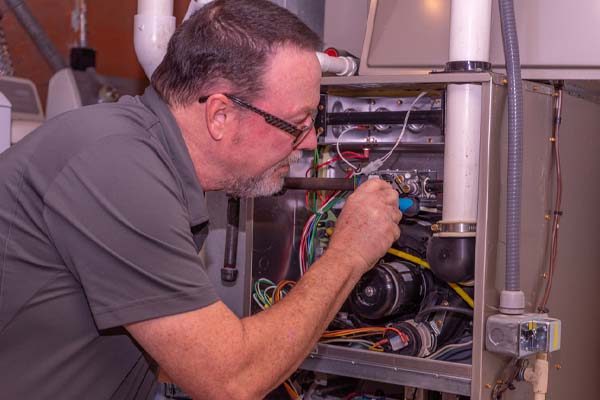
309	142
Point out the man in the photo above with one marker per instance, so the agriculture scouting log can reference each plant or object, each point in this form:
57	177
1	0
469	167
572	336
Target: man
103	215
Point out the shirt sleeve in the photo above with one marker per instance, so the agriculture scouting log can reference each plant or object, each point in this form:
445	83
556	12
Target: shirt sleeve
117	215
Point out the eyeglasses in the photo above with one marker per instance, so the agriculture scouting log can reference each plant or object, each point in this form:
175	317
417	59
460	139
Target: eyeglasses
297	133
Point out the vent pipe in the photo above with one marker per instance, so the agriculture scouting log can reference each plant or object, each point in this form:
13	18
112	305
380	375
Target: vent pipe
153	26
451	252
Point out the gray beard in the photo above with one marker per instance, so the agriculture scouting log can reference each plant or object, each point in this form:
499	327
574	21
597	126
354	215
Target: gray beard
265	184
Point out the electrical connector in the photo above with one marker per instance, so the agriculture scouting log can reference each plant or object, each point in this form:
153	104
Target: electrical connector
371	167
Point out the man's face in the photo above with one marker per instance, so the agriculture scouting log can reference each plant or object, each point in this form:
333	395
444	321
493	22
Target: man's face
263	152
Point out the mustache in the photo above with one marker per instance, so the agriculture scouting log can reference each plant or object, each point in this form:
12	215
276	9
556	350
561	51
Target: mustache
294	156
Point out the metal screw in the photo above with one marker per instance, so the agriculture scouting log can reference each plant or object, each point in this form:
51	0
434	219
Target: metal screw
369	291
372	102
399	102
488	386
544	275
353	363
320	130
435	228
552	139
536	88
557	366
505	81
547	217
444	303
395	369
321	107
438	322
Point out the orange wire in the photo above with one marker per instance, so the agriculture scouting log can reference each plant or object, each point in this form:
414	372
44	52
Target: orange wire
280	287
290	391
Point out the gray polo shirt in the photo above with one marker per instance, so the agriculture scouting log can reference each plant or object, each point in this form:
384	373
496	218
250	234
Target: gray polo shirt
101	221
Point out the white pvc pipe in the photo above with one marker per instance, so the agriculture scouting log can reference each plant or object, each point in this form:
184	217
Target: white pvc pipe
155	7
461	154
341	66
470	22
153	27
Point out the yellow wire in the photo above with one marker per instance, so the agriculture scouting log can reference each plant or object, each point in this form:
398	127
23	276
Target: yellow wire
416	260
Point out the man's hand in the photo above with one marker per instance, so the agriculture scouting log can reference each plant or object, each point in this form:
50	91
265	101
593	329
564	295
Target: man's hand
368	224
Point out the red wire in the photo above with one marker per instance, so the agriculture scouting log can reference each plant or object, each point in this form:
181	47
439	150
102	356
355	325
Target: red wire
404	338
350	155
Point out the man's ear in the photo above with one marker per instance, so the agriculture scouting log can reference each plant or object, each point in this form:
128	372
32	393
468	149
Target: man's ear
219	116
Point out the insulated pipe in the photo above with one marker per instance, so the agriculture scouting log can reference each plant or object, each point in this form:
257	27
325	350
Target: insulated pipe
154	25
341	66
512	300
37	34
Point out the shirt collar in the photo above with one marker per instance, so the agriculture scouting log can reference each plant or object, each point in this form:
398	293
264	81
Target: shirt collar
173	141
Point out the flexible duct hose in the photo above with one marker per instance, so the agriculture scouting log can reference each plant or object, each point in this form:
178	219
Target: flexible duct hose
37	34
515	143
6	65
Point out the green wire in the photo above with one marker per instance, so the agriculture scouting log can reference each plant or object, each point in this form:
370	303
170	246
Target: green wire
311	244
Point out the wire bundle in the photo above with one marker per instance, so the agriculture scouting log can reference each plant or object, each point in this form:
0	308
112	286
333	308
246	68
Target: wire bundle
309	232
454	352
363	337
307	244
262	297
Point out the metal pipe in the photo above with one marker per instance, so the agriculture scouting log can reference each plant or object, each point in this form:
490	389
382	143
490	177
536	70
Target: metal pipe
342	184
384	117
6	65
229	272
37	34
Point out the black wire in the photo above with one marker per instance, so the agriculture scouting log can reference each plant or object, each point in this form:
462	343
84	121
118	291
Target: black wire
458	310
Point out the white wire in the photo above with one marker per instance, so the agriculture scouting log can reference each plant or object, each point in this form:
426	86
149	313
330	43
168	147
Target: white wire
255	298
384	158
450	346
337	147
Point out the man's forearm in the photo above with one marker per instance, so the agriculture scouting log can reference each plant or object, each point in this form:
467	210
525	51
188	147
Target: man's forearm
291	328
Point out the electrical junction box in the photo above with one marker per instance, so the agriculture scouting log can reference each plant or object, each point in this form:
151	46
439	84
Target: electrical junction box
522	335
